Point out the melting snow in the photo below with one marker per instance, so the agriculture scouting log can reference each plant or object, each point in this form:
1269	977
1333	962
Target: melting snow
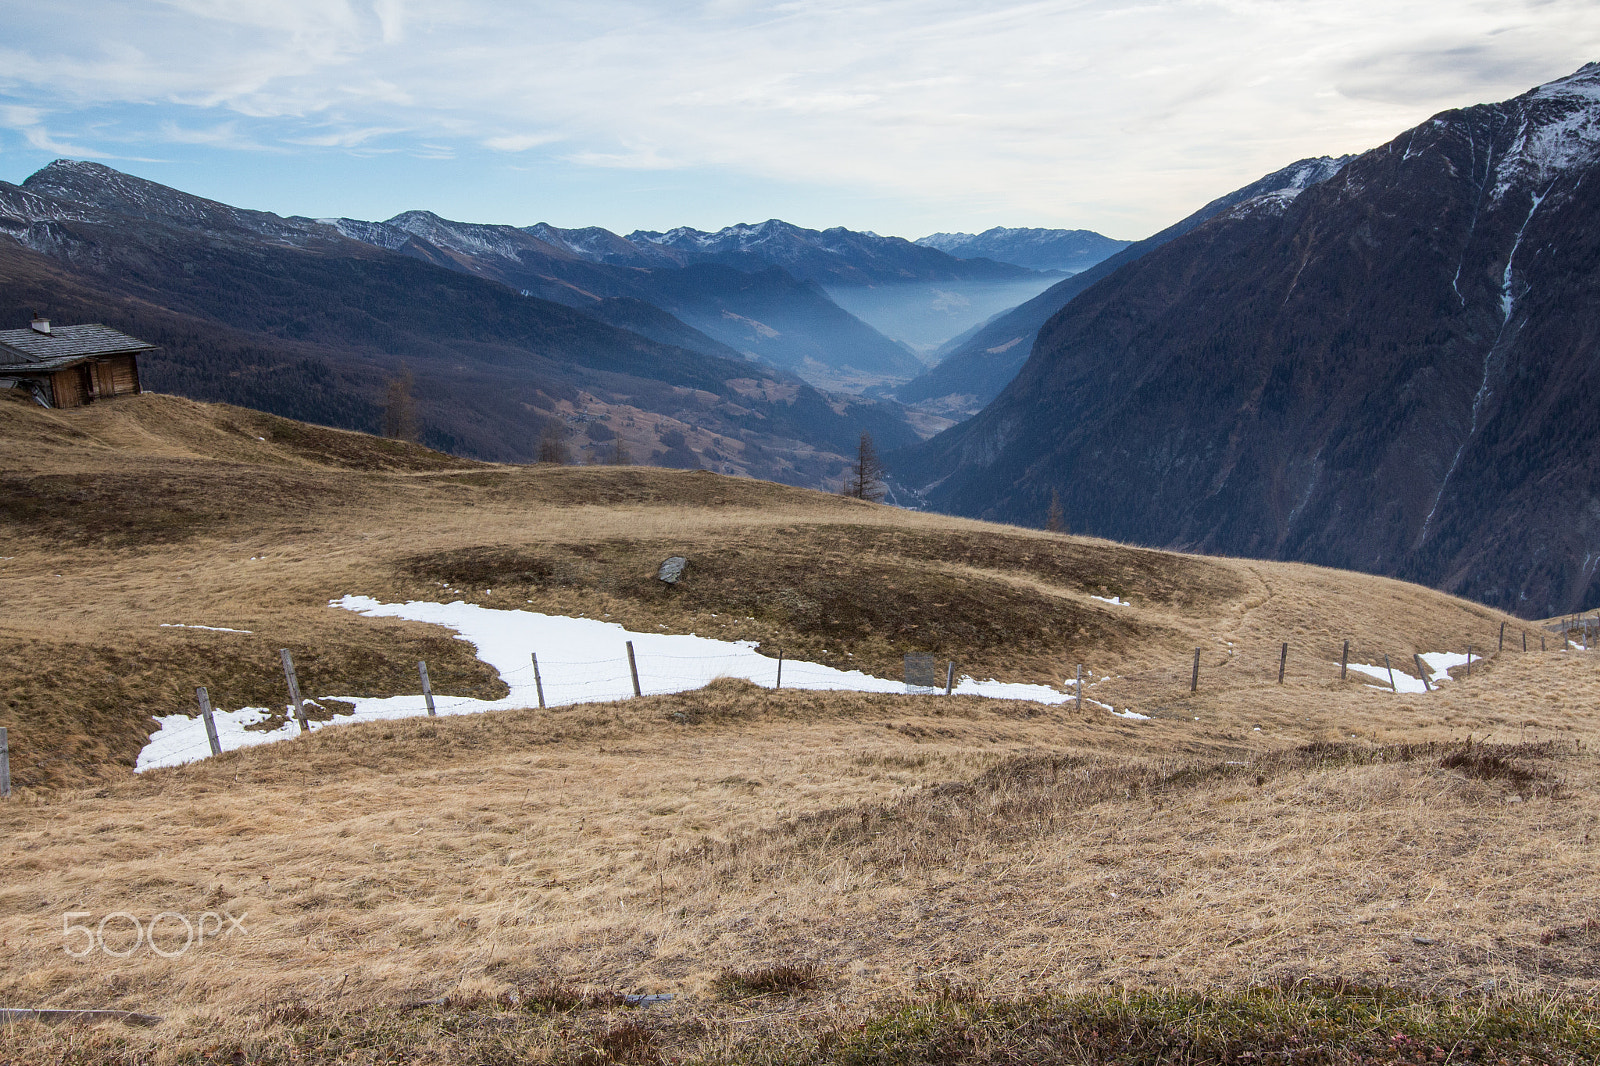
1438	663
213	629
1112	599
580	660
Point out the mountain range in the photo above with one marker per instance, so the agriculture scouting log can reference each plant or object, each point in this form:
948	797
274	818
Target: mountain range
1390	368
297	317
765	314
1070	250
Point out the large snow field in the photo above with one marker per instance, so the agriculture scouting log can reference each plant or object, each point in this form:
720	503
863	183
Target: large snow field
581	660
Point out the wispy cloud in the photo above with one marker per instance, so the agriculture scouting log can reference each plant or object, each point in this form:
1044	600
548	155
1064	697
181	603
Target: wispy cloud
519	142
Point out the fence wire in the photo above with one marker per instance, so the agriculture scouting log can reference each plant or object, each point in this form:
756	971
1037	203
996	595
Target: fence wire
572	681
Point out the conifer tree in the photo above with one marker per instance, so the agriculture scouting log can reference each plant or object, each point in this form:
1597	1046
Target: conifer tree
865	479
1055	519
400	409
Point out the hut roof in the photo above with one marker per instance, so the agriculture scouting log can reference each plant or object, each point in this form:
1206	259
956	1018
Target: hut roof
24	350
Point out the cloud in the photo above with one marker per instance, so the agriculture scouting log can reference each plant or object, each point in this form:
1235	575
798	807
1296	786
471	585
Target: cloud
219	135
519	142
1120	115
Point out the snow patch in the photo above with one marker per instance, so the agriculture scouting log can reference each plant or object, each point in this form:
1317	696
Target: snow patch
1437	663
581	660
1115	600
211	629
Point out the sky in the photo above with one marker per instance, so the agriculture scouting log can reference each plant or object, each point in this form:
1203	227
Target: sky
904	117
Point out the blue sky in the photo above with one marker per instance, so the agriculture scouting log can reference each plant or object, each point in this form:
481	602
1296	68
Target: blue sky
900	116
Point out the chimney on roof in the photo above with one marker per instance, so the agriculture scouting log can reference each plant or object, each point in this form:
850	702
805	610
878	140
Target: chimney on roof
40	324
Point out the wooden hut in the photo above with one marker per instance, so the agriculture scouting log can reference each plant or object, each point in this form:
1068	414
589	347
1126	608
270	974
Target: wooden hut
69	366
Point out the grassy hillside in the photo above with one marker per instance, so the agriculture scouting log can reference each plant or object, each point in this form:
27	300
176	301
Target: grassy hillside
841	877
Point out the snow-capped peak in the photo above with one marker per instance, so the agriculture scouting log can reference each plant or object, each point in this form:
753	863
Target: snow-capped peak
1559	129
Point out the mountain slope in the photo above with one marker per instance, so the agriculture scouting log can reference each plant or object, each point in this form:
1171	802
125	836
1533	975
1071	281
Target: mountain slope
1394	371
293	316
976	366
1073	250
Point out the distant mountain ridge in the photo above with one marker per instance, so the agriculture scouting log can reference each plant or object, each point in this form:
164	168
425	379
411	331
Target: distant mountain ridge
1072	250
836	256
1390	369
917	295
763	314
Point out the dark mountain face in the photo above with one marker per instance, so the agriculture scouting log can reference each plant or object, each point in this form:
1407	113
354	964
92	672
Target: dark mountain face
766	315
973	368
1073	250
293	316
830	257
1393	371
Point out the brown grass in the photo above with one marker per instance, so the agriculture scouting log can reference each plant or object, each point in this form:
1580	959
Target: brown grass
481	889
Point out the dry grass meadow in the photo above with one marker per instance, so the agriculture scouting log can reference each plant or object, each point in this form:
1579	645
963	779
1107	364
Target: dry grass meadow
839	877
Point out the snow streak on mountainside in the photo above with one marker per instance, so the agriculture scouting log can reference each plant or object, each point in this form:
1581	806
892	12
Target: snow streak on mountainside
1391	368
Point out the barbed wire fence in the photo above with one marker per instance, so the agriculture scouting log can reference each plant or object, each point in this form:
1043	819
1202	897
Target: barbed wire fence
619	676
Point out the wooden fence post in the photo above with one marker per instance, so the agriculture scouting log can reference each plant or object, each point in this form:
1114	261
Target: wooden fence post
1344	661
1388	667
538	682
780	671
1469	660
1080	688
1194	678
949	676
1541	642
1283	661
427	689
1524	640
294	689
5	765
205	713
633	668
1422	671
1502	646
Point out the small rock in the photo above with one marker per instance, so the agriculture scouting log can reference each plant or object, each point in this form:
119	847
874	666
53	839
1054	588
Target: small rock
1424	940
672	569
